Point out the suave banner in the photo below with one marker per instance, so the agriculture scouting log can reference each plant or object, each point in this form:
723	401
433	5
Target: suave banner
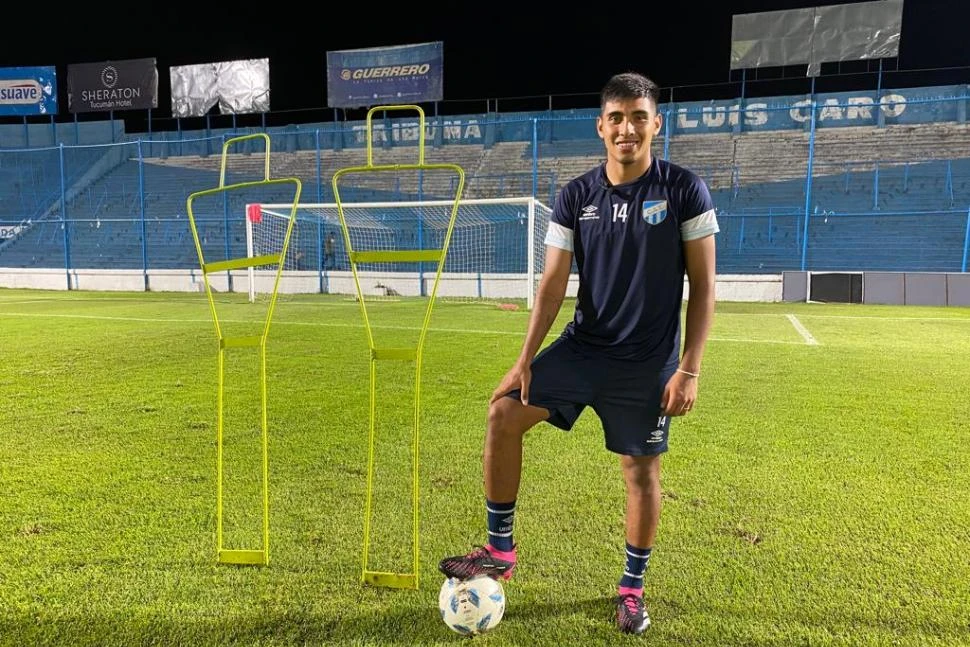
28	91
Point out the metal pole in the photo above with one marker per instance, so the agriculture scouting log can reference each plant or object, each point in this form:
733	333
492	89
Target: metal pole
535	157
141	208
64	222
966	243
319	169
808	181
225	216
323	282
875	188
530	255
667	133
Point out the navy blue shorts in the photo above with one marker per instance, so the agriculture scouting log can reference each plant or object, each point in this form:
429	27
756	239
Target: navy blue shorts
625	395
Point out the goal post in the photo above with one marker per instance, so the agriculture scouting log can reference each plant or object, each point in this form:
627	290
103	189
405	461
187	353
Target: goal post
496	252
265	232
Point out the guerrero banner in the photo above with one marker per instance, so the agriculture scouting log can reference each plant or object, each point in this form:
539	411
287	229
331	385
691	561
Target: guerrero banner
113	85
398	75
28	91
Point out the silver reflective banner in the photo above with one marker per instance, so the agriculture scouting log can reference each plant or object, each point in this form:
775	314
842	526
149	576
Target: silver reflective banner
772	38
868	30
860	31
238	87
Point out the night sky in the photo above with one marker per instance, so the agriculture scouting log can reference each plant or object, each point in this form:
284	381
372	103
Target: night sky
491	49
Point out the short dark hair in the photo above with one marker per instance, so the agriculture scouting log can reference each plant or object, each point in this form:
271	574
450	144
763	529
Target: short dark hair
629	85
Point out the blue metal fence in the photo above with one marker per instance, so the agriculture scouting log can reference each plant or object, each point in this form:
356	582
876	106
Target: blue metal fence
881	194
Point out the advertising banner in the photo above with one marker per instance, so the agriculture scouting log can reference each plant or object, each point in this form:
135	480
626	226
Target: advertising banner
112	85
403	74
28	91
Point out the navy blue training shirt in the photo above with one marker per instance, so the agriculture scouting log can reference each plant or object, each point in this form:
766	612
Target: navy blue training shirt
628	244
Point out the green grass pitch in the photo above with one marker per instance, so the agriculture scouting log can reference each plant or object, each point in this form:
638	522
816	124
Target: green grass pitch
817	495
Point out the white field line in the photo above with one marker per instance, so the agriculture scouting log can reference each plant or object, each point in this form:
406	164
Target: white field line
350	301
802	330
806	315
471	331
347	302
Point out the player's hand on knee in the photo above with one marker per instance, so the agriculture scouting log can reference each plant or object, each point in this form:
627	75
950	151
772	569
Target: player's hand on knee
507	384
517	378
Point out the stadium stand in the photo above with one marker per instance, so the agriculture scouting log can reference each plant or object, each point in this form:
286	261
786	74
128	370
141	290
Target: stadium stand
884	197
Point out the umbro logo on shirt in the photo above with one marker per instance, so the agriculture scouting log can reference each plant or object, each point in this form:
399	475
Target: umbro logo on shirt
589	213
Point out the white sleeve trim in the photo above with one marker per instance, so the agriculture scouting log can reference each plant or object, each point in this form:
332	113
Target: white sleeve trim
559	236
700	226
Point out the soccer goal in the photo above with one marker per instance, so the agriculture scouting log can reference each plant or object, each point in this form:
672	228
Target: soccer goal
496	251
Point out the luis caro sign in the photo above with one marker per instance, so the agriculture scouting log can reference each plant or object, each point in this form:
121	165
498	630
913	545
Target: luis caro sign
112	85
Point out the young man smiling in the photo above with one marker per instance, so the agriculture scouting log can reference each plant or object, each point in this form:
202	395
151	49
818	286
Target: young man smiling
635	224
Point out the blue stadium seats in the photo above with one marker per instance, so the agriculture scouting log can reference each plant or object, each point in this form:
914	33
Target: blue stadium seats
877	201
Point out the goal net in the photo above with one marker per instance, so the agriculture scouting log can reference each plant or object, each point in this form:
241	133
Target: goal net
496	251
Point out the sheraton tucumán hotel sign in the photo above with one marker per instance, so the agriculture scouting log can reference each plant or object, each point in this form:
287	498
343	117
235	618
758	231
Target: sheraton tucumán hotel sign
113	85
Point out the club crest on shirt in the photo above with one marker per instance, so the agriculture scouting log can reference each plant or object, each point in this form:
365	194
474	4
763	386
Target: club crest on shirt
654	211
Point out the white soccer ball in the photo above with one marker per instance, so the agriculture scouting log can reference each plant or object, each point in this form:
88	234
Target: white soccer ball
472	606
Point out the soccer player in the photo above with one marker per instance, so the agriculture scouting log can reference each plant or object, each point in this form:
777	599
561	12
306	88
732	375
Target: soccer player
635	224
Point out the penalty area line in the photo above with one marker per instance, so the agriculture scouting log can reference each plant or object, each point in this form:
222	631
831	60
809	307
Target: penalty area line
802	330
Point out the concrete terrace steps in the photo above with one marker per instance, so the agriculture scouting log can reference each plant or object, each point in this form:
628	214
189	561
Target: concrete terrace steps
723	159
306	166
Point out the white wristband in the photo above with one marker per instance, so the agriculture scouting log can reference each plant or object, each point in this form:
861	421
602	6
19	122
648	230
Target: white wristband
680	370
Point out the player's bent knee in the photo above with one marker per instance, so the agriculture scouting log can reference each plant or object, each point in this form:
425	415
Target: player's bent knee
508	416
